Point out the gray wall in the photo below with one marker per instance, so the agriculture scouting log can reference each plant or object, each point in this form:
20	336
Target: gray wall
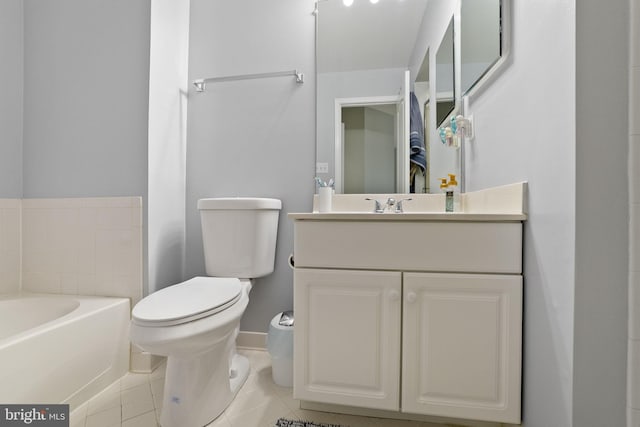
252	137
565	132
602	213
86	73
525	131
11	52
168	87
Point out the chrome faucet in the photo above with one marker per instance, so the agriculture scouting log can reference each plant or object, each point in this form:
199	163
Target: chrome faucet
399	208
379	207
389	204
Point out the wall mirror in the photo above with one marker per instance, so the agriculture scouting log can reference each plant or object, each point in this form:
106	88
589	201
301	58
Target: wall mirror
422	91
363	54
481	39
445	76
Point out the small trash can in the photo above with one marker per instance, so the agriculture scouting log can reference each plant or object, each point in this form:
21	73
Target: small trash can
280	347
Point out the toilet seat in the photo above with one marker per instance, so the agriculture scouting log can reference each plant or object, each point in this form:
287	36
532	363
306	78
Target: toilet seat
187	301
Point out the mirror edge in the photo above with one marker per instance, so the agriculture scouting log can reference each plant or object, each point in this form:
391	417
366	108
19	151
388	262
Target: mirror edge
500	65
454	22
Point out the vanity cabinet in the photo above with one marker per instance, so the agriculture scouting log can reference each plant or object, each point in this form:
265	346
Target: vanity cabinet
347	337
419	317
461	345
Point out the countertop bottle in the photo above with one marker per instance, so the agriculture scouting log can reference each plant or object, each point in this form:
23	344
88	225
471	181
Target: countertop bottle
448	195
452	185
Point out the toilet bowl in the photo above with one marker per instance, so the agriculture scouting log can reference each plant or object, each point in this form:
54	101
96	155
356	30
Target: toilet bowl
195	323
197	335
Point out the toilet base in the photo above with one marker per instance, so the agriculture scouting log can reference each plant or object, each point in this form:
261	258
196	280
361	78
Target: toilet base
198	389
240	369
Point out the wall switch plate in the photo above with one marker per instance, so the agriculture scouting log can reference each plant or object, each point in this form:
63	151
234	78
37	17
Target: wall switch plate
322	167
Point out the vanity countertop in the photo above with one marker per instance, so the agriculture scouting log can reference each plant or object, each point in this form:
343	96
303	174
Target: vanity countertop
503	203
408	216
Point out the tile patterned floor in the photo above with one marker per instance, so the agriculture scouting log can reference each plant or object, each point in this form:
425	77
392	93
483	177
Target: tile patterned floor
136	399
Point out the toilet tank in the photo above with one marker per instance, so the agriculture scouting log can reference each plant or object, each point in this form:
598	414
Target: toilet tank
239	236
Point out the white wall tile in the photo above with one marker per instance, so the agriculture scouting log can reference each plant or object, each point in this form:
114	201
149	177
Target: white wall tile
9	281
41	282
35	228
10	203
54	203
136	213
9	245
69	284
87	284
89	246
112	202
115	218
42	261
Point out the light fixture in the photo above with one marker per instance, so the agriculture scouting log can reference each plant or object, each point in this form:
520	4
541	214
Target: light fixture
348	3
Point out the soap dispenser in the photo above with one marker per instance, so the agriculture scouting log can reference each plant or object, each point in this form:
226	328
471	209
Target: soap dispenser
448	195
452	185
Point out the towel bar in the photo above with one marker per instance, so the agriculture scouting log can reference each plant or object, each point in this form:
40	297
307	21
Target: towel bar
200	84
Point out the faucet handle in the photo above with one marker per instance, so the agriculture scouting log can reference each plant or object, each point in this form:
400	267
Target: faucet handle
377	205
390	202
399	208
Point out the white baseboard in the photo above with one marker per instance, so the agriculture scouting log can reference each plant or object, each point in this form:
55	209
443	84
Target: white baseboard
144	363
252	340
378	413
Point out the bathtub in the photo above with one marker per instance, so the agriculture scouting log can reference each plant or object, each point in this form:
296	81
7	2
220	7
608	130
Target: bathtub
61	348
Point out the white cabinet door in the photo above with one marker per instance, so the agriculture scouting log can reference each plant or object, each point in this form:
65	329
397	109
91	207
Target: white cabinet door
347	337
462	341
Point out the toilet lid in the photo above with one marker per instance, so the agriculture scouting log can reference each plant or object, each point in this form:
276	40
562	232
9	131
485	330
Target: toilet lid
187	301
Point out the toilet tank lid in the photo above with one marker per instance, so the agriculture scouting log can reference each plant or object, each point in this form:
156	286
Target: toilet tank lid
238	203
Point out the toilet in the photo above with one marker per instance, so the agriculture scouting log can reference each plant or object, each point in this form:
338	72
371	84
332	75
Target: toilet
195	323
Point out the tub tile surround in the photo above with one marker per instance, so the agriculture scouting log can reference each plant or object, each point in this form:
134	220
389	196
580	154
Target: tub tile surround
74	246
9	245
83	246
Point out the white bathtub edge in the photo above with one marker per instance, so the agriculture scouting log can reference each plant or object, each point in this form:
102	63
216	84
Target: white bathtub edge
119	367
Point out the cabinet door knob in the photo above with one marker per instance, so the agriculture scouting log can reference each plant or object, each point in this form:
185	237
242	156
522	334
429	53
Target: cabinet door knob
394	295
411	297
